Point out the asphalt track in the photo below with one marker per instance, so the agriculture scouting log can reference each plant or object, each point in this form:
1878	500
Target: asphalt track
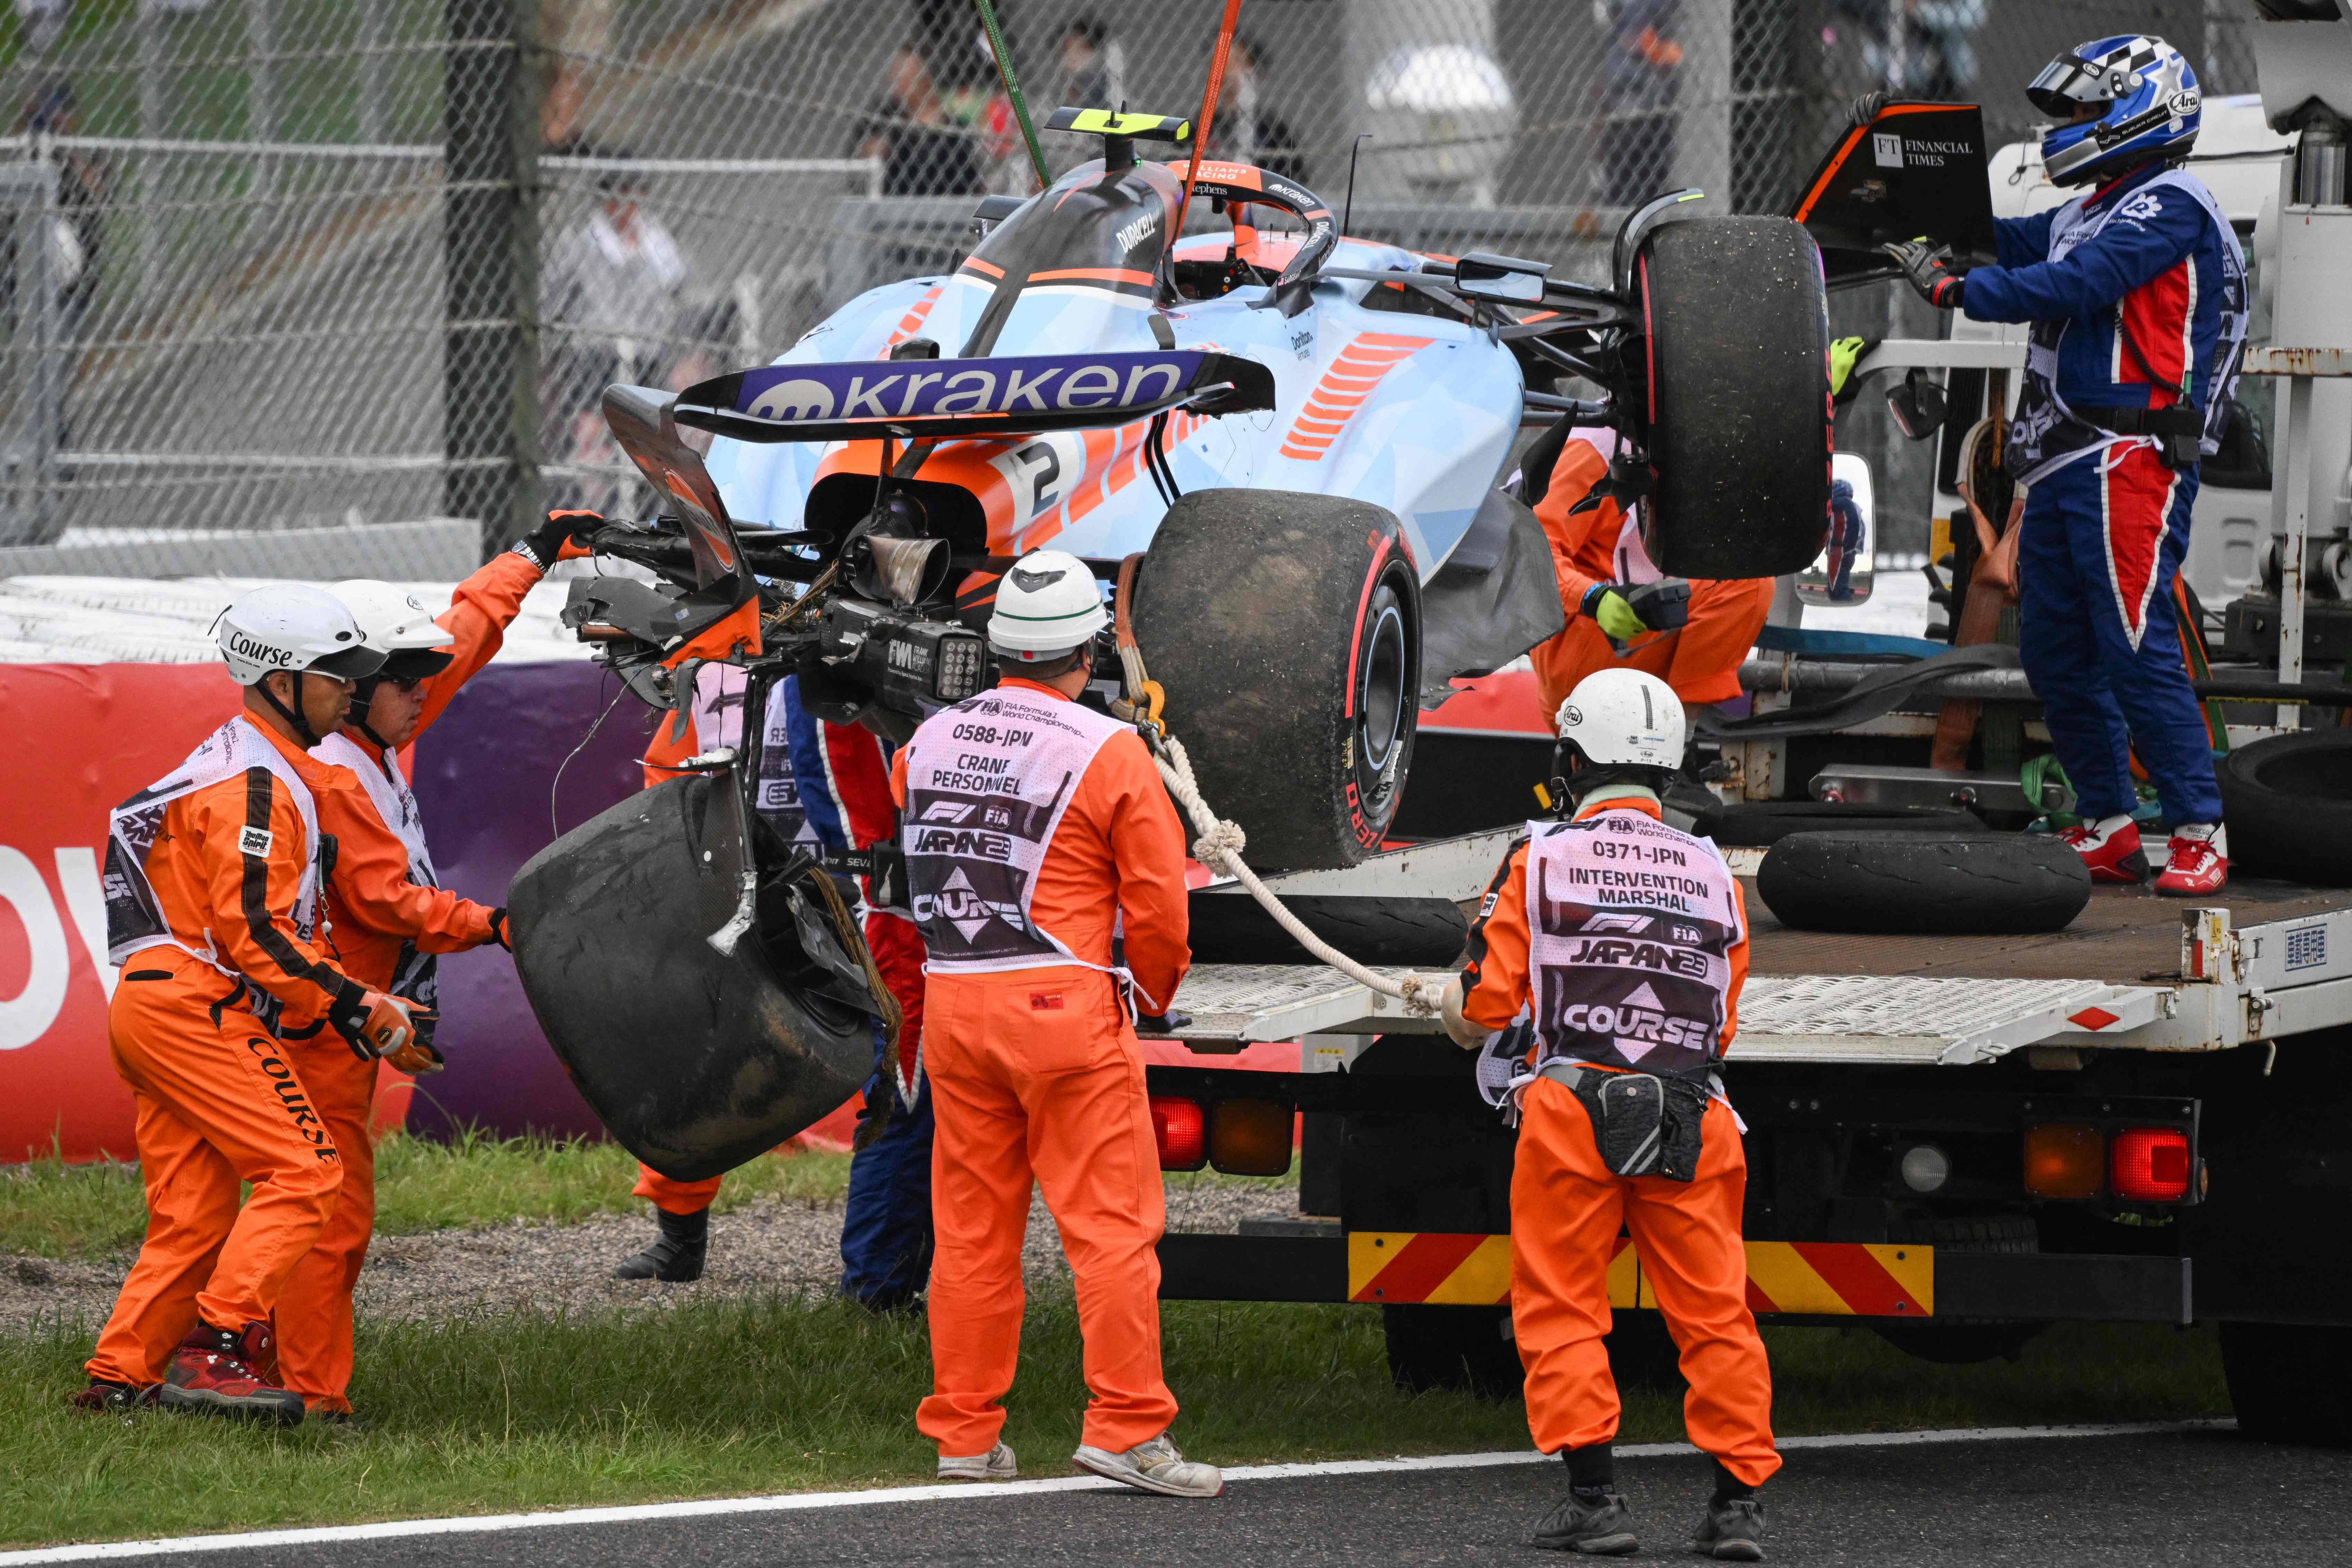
2192	1494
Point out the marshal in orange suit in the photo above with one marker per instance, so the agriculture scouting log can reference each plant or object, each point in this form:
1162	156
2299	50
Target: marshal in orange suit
388	917
1598	551
1622	944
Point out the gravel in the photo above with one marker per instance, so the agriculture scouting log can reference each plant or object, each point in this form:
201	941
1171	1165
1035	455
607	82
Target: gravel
772	1245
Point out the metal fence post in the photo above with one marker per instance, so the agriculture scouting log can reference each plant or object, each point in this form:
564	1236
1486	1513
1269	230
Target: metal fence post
28	214
489	248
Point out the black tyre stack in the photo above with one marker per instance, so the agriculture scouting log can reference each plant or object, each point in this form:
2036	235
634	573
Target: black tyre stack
1951	884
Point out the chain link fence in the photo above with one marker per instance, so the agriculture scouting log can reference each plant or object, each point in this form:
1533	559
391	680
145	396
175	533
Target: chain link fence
326	288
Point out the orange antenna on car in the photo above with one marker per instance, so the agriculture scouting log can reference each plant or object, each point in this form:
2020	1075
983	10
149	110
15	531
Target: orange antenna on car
1208	109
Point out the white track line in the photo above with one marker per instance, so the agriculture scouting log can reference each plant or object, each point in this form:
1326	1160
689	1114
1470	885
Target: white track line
795	1503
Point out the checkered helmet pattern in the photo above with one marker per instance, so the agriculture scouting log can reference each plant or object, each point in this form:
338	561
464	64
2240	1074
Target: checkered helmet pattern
2149	102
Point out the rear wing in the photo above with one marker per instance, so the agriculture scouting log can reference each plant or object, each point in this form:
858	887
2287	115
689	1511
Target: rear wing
955	398
1914	169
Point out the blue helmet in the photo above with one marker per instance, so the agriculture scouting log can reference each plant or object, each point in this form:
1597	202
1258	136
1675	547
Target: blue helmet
2149	102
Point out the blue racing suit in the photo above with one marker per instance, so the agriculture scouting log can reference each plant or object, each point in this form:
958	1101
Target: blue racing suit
2136	292
840	777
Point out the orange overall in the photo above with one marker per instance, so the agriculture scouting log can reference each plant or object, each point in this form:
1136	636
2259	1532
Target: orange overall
1036	1077
1567	1208
1700	660
372	909
217	1100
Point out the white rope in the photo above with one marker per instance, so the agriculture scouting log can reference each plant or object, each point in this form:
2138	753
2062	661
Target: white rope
1220	847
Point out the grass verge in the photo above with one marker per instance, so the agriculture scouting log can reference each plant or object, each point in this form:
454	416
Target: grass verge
490	1415
53	1209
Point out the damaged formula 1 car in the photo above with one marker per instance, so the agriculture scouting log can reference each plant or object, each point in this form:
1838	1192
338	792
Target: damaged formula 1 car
1293	441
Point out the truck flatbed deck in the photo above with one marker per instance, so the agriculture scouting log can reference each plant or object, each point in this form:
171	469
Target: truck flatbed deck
2277	959
2126	936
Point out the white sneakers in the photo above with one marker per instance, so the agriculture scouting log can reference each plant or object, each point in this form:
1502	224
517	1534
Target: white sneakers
1153	1467
996	1464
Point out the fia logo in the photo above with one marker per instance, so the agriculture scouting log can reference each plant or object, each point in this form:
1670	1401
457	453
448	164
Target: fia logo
1886	150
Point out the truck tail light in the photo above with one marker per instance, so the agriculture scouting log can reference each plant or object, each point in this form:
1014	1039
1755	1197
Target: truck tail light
2151	1164
1251	1138
1181	1128
2064	1159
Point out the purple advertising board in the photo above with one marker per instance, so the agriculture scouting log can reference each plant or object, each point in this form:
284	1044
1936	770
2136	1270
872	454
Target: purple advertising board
486	782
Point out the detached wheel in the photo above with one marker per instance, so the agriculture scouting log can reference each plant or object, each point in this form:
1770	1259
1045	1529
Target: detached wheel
1739	397
2288	804
1935	883
2290	1382
1286	631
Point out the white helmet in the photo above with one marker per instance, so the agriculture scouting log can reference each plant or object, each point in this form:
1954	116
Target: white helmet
1622	716
395	623
295	626
1047	605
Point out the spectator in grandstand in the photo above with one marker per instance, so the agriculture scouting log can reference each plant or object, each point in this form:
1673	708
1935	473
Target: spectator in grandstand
611	296
51	109
1639	74
1915	48
1093	64
1264	138
923	153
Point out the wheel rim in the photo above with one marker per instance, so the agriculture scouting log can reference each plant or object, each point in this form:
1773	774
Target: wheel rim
1382	695
1387	672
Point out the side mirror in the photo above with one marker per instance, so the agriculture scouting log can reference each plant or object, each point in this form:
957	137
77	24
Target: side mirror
1840	576
1505	279
1917	406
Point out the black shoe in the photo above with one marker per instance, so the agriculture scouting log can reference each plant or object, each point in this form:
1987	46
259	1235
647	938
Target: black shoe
1599	1526
1733	1530
676	1256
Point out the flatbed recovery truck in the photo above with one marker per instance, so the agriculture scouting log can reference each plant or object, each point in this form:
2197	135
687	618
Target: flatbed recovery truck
1955	1140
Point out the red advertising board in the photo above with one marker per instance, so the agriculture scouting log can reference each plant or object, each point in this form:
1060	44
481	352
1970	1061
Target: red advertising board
78	738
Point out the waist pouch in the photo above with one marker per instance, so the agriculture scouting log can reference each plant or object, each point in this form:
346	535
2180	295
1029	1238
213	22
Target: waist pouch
2179	431
1642	1125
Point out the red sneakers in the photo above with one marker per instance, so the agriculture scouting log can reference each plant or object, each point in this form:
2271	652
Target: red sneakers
104	1397
2111	848
214	1371
2197	865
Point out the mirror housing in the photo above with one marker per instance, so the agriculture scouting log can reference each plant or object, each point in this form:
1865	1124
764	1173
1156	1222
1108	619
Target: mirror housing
1503	280
1840	576
1917	404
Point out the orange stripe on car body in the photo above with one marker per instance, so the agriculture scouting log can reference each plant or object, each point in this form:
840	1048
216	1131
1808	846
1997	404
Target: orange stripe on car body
1353	375
985	269
1096	275
909	323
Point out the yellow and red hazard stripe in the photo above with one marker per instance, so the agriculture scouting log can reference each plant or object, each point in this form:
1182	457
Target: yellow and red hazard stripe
1819	1278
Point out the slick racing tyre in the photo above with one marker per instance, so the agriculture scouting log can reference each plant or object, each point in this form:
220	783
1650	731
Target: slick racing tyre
1752	824
2288	804
1738	397
1955	884
1229	927
1286	630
